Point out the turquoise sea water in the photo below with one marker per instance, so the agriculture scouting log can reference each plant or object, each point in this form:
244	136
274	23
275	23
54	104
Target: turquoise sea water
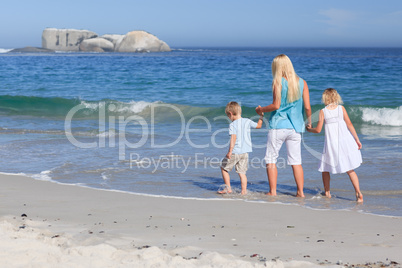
154	123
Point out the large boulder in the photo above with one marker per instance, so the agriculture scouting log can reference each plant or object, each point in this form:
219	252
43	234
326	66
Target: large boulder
114	38
96	45
65	39
140	41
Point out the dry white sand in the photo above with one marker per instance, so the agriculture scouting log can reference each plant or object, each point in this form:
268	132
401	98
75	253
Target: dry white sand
72	226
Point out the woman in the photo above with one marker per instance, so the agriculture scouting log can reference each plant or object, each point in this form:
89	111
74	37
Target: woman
290	96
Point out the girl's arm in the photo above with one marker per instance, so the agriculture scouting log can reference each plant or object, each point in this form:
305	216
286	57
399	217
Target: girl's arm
351	127
306	101
320	123
231	146
276	103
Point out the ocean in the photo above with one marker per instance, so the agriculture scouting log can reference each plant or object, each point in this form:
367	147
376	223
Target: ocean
154	123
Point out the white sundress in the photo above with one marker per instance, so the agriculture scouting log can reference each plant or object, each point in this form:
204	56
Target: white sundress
341	152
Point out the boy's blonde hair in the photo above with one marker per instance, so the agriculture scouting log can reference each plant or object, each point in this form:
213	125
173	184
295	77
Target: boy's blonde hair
233	108
282	67
330	95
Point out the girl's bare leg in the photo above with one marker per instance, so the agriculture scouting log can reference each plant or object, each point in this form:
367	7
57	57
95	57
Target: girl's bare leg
299	179
355	181
326	181
272	173
243	181
226	180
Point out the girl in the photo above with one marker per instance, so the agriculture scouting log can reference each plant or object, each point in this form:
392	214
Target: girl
342	145
290	98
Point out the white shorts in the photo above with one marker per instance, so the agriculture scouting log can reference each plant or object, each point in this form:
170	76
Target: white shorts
276	137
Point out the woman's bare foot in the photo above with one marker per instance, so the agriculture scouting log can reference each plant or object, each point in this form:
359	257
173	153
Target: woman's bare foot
328	194
244	192
359	197
226	190
271	193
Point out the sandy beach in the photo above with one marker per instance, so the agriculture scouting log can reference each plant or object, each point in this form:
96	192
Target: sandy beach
45	224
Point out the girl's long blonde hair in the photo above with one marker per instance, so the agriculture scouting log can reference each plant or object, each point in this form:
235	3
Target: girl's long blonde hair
283	67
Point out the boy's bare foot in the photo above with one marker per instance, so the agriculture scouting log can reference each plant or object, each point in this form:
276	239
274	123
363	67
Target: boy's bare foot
244	192
300	195
227	190
359	198
271	193
328	194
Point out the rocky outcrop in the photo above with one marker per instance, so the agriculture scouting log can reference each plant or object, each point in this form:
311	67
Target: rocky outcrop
140	41
114	38
65	39
32	50
96	45
83	40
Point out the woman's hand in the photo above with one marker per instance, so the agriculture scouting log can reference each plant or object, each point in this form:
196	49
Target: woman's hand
258	110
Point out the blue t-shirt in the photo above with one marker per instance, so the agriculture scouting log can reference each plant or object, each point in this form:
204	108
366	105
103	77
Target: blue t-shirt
241	128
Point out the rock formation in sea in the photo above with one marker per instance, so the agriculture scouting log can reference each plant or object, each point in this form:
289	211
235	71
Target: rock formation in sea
96	45
84	40
31	50
65	39
140	41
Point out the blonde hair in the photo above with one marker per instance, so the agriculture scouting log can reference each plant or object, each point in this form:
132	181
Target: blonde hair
233	108
330	95
283	67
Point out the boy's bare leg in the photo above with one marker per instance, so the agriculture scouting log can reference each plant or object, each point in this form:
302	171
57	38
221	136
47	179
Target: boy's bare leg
299	179
243	181
326	181
226	180
355	181
272	173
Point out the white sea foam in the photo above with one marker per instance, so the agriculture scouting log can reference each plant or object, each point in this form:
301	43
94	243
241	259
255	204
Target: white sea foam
43	176
107	134
5	50
104	176
92	106
120	107
382	116
133	106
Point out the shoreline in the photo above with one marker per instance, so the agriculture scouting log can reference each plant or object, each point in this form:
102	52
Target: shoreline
38	177
197	230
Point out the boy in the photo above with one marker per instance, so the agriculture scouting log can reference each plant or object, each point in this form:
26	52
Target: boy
240	146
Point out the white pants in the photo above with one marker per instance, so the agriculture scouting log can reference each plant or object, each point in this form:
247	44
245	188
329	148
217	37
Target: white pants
292	139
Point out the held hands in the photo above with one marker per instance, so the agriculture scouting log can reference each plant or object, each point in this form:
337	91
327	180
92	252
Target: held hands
258	110
309	127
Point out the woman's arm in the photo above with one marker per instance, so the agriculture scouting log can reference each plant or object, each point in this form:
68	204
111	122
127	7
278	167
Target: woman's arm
351	127
320	123
276	103
306	101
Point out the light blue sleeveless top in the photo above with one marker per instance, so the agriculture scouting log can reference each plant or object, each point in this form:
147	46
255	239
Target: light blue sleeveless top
289	115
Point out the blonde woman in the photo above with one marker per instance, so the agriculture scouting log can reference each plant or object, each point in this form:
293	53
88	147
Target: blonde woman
290	100
342	145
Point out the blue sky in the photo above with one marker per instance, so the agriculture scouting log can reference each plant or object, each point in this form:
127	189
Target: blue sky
183	23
